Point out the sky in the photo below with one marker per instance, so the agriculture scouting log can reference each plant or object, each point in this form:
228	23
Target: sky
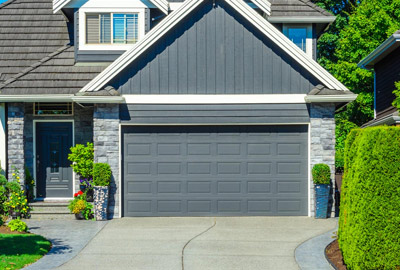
1	1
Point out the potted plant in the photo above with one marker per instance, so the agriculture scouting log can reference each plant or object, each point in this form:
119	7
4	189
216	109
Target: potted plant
82	163
101	181
321	174
80	207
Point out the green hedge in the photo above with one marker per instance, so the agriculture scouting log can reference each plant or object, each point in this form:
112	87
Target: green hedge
321	174
369	224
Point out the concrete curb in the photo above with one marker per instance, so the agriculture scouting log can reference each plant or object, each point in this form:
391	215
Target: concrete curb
311	254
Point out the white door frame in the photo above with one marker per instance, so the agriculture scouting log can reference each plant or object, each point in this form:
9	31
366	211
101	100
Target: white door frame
34	153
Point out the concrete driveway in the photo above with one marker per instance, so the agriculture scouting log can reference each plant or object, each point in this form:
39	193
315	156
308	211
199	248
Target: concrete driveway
199	243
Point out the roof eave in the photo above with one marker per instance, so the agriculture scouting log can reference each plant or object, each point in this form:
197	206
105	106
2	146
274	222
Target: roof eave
264	5
379	53
62	98
301	19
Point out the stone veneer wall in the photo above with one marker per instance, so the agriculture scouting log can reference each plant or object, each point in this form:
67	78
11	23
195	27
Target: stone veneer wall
106	148
83	122
322	117
15	140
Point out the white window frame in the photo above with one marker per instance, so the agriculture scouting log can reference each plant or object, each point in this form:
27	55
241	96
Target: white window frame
309	39
109	47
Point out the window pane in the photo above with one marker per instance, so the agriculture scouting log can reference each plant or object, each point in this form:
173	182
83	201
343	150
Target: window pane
119	28
298	36
132	34
92	28
105	28
125	28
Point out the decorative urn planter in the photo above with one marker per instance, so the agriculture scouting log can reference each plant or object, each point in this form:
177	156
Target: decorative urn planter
15	215
100	202
79	216
322	192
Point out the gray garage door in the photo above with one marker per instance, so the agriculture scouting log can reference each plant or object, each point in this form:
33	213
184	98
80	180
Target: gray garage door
215	171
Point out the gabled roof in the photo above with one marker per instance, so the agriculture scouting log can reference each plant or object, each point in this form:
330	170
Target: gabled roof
163	5
242	8
36	56
388	46
298	11
29	31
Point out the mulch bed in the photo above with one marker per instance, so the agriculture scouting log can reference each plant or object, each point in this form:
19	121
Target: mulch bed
6	230
334	255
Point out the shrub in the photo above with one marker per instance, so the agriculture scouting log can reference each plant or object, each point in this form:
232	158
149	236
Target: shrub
321	174
101	174
82	159
80	205
369	224
17	225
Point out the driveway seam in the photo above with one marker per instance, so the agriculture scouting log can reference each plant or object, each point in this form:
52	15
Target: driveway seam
188	242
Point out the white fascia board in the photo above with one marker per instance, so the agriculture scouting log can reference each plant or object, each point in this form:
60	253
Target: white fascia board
59	4
245	10
264	5
369	61
389	121
141	46
163	5
331	98
301	19
215	99
289	47
61	98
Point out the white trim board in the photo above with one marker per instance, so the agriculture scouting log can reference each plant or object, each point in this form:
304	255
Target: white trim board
34	151
214	99
184	10
264	5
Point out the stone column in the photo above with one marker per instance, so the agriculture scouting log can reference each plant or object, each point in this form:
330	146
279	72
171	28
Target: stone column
15	140
322	117
106	148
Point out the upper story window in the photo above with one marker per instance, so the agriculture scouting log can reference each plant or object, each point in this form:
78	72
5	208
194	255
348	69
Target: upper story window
112	28
302	36
299	37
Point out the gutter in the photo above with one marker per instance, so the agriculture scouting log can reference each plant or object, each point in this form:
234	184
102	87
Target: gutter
387	44
62	98
330	98
390	120
300	19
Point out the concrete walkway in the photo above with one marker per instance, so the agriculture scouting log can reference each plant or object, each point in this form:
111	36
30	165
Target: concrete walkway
199	243
68	237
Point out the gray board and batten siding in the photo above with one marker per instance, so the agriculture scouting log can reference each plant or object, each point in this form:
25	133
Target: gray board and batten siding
215	170
184	114
214	50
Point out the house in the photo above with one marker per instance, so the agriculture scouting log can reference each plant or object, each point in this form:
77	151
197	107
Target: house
201	107
384	61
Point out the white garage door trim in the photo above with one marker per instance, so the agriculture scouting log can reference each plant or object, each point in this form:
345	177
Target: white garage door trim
287	124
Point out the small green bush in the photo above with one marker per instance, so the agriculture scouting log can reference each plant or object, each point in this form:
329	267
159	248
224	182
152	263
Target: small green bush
321	174
369	224
17	225
82	159
101	174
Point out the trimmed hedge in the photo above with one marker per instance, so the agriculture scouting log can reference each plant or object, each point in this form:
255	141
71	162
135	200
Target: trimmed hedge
321	174
101	174
369	224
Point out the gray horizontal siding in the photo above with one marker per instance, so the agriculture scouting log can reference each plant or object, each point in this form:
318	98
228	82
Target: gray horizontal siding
214	51
214	114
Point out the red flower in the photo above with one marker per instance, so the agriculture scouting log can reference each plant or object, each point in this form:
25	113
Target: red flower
76	195
80	192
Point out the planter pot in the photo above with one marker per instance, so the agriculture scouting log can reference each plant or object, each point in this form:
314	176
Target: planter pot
15	215
321	200
79	216
82	188
89	195
100	202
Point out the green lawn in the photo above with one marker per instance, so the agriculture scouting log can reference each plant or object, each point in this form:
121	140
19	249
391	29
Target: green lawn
18	250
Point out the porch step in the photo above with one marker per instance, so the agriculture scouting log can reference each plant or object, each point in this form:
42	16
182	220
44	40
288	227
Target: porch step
50	210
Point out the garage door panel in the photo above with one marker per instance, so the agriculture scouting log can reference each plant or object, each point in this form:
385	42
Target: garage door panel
209	171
